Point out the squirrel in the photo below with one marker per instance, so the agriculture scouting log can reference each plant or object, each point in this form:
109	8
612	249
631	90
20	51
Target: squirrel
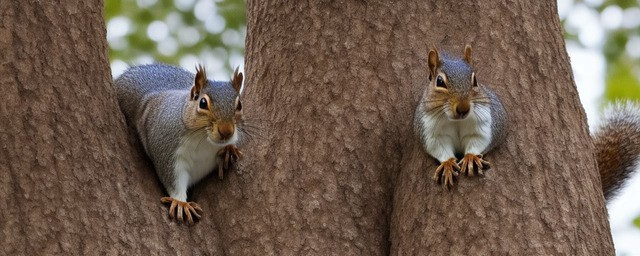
187	125
457	116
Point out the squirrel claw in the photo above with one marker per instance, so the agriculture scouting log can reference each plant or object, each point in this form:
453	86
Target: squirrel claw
228	155
188	209
469	161
446	172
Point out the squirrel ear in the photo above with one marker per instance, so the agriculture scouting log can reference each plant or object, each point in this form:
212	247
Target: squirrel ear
236	80
434	63
467	54
199	83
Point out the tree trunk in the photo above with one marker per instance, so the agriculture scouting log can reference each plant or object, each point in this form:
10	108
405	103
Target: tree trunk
335	85
70	180
329	80
542	195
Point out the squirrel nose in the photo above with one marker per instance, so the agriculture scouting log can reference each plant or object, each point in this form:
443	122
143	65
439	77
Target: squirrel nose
462	109
225	131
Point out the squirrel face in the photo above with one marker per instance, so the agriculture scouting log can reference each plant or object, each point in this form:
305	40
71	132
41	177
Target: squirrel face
214	107
452	85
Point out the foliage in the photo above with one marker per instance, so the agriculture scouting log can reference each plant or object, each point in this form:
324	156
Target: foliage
176	32
620	22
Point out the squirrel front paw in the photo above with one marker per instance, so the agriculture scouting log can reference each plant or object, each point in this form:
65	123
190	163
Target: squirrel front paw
188	208
446	172
228	155
469	161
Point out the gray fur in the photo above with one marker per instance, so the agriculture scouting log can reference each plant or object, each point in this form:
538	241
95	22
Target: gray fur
499	120
458	73
153	97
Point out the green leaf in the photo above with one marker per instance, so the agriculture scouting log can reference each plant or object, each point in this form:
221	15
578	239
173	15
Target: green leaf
636	222
621	82
139	44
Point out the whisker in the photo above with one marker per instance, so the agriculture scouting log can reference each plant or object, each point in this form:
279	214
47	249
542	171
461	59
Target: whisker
434	100
251	129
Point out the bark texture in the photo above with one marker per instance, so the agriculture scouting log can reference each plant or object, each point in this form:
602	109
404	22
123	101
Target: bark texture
331	81
334	85
542	195
70	180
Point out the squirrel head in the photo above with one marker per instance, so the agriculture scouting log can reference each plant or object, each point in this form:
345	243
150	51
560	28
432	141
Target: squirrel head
214	106
452	84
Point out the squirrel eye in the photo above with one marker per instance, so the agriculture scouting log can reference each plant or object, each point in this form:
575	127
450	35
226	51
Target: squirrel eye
440	82
203	104
239	105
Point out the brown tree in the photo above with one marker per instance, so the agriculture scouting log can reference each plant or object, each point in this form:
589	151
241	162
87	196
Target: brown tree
543	195
70	180
335	85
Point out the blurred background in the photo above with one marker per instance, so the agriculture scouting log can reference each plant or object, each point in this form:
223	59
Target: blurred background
178	32
602	38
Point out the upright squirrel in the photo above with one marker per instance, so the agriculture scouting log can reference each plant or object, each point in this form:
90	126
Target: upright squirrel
187	124
459	117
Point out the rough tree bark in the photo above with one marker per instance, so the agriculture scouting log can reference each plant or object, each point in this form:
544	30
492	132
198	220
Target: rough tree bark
543	195
336	84
70	181
330	79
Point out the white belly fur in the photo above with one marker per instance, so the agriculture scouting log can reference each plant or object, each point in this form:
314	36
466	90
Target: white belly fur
443	138
196	157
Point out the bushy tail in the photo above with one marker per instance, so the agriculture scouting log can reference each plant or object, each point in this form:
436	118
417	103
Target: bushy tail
617	143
